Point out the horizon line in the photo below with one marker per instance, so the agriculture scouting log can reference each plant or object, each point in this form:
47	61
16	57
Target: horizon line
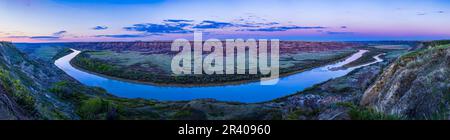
402	40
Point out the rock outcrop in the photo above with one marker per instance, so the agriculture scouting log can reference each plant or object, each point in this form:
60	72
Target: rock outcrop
416	86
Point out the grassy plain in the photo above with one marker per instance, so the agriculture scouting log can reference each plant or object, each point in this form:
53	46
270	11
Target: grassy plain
155	68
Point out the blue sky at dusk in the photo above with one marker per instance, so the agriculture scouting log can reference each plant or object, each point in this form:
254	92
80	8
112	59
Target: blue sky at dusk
146	20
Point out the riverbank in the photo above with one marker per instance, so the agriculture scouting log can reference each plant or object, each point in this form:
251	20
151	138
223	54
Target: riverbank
245	93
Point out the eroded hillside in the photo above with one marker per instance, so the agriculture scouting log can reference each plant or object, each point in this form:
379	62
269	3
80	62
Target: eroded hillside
23	85
416	86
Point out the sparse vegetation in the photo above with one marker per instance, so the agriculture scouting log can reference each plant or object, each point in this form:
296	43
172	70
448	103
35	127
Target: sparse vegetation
370	114
362	113
302	113
17	90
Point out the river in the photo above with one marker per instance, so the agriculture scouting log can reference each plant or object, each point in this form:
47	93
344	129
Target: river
246	93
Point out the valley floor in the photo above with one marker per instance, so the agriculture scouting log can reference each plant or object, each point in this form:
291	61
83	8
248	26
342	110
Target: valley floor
155	69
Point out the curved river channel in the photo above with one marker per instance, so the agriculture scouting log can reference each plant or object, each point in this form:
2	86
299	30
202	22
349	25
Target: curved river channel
246	93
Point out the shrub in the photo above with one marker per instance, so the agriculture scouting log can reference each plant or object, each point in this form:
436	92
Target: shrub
95	108
182	114
65	91
360	113
370	114
23	96
17	90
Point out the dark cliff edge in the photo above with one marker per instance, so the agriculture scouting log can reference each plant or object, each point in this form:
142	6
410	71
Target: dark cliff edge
416	86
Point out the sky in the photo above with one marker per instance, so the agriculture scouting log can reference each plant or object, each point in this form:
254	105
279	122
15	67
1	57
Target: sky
148	20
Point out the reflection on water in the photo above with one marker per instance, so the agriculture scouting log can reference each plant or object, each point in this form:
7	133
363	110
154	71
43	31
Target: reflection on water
248	93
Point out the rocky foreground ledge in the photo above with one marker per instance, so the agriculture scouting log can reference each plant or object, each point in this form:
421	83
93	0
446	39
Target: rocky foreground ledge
416	86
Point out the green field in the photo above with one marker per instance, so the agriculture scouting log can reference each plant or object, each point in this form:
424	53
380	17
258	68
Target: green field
155	68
